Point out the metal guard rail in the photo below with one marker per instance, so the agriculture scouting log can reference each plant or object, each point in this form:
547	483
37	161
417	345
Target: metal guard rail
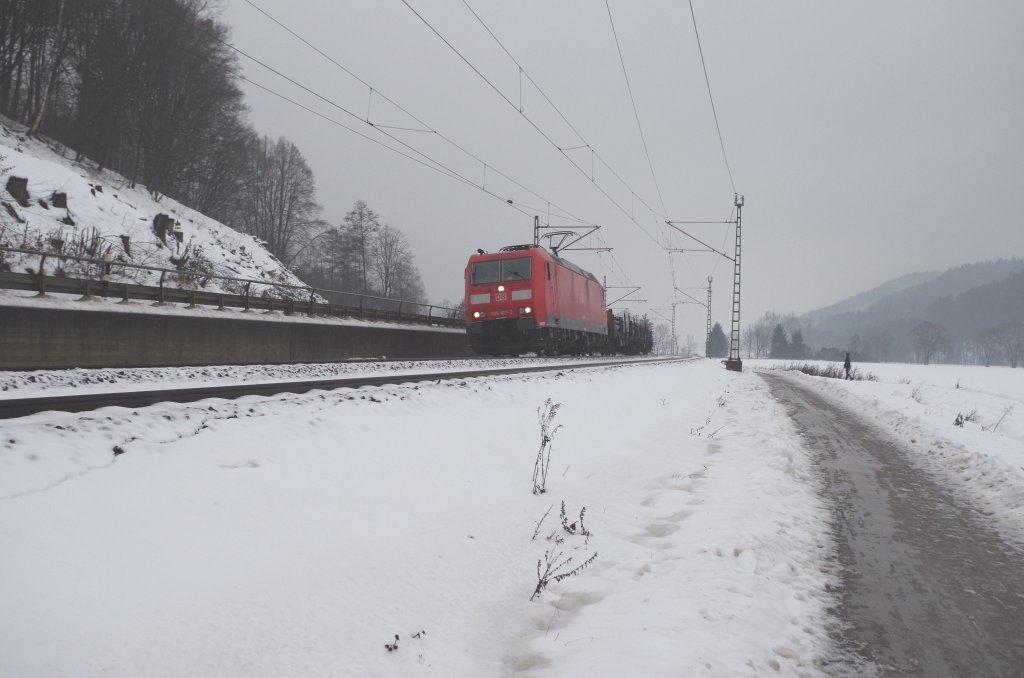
365	307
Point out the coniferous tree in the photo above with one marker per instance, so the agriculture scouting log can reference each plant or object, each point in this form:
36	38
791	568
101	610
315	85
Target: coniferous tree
780	342
718	343
797	348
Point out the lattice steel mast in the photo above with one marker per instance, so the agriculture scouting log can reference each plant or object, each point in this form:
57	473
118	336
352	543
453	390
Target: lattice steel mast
707	336
733	362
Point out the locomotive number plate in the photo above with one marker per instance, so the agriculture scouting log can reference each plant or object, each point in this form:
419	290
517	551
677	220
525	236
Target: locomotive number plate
500	296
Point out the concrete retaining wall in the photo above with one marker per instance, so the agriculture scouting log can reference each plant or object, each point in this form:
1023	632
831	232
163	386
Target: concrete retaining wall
47	338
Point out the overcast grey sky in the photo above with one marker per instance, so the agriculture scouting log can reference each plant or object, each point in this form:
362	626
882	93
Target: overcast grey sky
869	139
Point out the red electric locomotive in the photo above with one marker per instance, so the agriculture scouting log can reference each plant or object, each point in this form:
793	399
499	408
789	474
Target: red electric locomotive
523	298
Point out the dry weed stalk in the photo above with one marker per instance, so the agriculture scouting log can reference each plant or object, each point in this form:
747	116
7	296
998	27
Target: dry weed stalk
545	417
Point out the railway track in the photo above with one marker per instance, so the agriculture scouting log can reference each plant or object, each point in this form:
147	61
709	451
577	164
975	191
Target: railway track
11	408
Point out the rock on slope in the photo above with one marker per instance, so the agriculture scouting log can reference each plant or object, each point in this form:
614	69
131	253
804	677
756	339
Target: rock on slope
104	214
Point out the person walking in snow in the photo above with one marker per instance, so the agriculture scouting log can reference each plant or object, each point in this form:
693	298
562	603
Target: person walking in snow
846	366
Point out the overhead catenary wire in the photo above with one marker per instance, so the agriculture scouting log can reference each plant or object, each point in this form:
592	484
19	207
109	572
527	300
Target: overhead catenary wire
594	155
624	279
725	238
718	129
557	110
529	120
528	77
341	108
342	67
711	98
425	126
441	169
426	160
636	113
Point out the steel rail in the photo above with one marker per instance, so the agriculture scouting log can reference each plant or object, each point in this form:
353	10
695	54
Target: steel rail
11	408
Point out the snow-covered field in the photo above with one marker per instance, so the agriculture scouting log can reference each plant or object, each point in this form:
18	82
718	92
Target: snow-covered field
298	535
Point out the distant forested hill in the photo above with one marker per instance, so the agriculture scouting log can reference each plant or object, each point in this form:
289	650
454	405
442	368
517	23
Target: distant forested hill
866	299
964	301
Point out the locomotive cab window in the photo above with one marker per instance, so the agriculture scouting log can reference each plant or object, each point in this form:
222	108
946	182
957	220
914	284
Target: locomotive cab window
517	269
486	272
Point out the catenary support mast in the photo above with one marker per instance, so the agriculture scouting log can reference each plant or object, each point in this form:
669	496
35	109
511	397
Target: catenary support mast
733	362
707	336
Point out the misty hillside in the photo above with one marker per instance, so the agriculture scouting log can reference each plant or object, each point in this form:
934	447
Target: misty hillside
982	306
965	300
866	299
914	300
106	214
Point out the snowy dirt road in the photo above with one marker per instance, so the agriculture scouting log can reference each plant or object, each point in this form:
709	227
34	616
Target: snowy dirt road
928	587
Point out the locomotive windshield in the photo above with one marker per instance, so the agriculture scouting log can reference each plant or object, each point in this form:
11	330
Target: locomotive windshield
516	269
501	270
486	272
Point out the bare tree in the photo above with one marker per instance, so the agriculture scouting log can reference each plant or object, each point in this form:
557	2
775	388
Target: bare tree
1011	339
929	340
325	260
186	85
691	345
389	253
59	51
20	25
881	343
362	225
409	285
761	333
278	204
216	178
108	65
662	339
33	46
747	340
147	88
988	344
456	311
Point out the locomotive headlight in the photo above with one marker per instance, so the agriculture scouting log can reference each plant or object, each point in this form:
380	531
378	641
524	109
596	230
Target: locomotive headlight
501	288
477	314
528	310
